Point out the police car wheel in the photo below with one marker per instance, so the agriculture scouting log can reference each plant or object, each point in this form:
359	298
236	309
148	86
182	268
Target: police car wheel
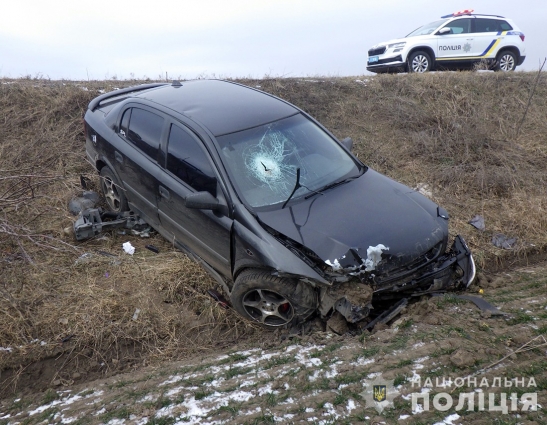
419	62
507	61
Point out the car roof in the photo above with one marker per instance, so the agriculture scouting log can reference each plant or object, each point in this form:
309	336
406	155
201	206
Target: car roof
221	106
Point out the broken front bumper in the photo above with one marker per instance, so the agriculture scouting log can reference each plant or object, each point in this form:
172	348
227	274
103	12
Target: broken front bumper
455	269
452	270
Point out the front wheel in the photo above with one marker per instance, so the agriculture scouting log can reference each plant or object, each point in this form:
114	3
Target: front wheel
507	61
272	301
419	62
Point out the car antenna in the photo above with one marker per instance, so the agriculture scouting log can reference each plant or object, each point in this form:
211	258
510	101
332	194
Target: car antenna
176	83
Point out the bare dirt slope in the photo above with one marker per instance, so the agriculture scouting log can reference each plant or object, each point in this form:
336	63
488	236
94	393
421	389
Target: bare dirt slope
67	318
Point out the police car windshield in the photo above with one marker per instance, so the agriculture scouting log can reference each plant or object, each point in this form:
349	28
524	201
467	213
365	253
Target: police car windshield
426	29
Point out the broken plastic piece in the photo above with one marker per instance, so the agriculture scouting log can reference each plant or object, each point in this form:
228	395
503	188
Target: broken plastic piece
67	338
145	233
152	248
218	298
480	303
503	242
478	222
136	314
387	315
128	248
85	257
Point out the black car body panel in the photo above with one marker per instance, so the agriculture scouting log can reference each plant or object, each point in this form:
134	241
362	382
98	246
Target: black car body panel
186	157
326	223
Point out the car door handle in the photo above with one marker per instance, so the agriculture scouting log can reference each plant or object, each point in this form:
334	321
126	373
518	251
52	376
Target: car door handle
164	193
118	157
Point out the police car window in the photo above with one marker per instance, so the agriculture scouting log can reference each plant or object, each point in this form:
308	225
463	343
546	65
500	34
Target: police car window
187	160
459	26
145	131
491	25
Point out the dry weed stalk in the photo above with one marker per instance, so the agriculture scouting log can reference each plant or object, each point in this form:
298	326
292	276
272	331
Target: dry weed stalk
530	345
530	99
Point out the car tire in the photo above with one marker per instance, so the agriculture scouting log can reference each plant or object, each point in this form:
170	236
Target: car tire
113	191
419	62
506	61
271	301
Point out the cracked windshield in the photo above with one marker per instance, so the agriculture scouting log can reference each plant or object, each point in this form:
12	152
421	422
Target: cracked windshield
263	162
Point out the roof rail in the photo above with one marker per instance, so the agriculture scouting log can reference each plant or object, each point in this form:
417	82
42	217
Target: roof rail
495	16
96	102
470	14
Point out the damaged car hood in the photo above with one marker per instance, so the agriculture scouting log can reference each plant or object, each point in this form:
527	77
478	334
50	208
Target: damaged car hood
370	211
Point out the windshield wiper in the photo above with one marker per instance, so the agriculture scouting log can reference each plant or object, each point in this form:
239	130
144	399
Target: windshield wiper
331	185
298	186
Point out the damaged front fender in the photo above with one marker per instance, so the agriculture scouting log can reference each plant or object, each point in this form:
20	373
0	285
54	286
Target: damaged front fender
252	250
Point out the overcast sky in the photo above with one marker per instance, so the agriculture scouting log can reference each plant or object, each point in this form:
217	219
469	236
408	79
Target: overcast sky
225	38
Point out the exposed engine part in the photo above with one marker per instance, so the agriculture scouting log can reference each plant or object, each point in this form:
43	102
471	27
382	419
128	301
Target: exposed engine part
91	222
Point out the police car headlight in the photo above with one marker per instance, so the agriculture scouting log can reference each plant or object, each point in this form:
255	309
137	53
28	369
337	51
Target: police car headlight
399	45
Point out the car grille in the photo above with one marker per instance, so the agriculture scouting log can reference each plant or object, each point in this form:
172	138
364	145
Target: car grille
411	270
377	51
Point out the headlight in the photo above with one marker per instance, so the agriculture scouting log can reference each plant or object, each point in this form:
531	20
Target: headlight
396	45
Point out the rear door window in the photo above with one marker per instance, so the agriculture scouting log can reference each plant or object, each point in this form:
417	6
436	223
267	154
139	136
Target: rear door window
187	160
491	25
145	130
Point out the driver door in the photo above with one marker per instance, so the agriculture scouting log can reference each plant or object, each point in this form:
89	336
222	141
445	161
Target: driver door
189	169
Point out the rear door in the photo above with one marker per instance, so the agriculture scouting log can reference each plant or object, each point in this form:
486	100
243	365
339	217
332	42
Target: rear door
136	161
190	169
489	34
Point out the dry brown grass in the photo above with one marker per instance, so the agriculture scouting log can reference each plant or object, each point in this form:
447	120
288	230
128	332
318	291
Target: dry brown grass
453	131
457	133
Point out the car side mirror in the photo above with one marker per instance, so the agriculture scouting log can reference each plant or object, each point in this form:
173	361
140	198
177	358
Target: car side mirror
347	143
201	201
444	31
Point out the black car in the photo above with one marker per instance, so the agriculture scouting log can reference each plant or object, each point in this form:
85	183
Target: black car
268	201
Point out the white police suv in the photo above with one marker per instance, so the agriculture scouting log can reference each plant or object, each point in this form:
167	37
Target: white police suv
456	41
